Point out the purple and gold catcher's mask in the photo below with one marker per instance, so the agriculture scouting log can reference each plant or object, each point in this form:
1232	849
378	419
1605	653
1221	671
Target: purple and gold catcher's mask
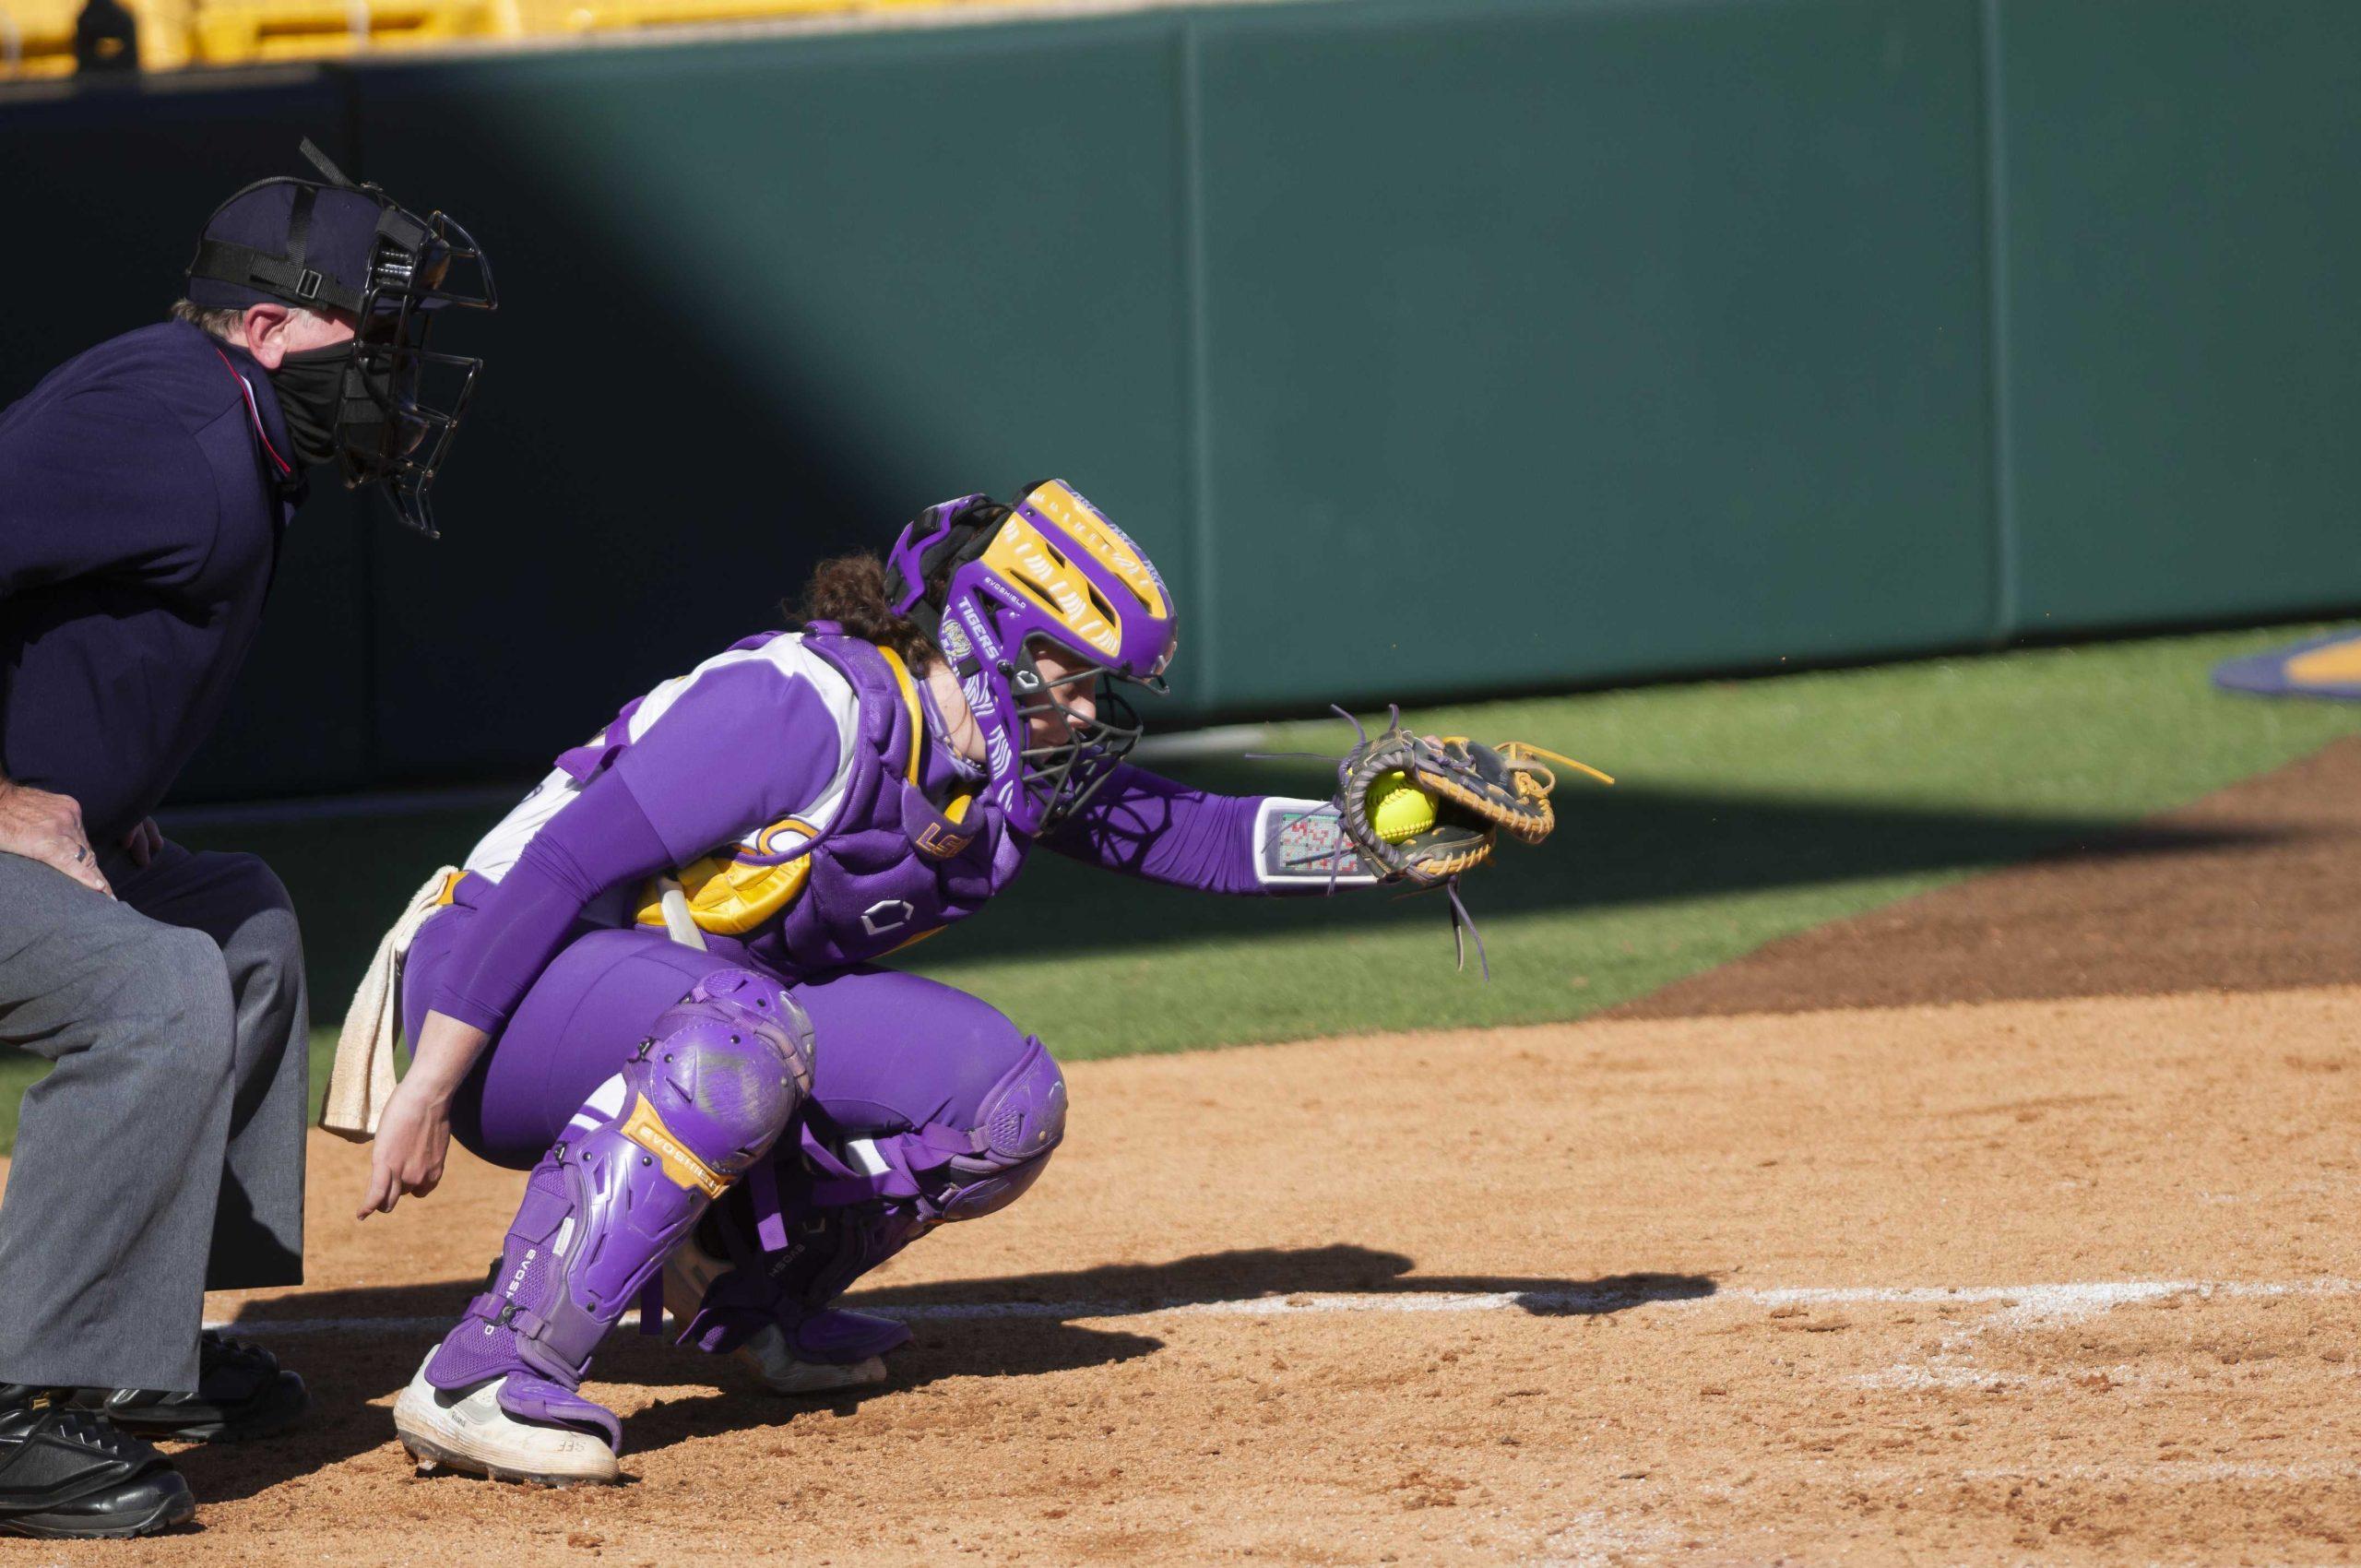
1051	570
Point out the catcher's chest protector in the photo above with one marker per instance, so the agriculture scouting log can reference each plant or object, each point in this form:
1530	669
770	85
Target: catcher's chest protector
887	869
890	867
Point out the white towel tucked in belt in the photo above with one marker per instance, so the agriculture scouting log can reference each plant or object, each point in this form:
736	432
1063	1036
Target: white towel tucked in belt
362	1079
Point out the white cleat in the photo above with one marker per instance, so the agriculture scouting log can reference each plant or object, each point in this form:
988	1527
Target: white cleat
690	1272
776	1368
470	1431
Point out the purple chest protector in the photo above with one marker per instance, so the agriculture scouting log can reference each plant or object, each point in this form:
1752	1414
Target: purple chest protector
889	868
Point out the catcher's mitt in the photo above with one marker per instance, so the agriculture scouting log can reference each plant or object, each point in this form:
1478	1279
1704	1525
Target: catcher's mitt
1478	792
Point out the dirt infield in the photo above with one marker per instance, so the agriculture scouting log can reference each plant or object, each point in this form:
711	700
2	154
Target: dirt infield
2256	887
2048	1278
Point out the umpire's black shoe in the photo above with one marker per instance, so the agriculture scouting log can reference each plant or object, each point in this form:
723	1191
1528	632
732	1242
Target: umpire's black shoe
69	1473
241	1392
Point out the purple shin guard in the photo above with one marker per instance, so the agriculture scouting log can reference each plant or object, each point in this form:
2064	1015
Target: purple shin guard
857	1200
699	1103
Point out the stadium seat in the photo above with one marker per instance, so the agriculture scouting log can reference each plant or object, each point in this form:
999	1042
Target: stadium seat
37	36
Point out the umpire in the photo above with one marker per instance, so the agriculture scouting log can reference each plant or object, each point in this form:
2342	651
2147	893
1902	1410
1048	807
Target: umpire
145	489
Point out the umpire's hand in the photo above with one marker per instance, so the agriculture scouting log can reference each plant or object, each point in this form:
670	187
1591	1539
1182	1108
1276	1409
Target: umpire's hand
48	829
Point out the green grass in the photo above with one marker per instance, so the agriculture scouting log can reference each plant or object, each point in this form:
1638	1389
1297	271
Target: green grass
1747	811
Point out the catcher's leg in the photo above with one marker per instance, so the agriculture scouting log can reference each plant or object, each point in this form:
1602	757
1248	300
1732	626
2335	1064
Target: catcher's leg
696	1104
930	1107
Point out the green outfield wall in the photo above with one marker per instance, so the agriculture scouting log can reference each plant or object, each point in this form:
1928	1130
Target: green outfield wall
1433	346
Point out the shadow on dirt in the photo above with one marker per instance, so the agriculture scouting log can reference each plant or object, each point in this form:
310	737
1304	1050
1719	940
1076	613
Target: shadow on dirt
1019	1325
1277	1272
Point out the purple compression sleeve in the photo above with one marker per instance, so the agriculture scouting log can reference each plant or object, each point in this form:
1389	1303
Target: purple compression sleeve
600	838
744	746
1147	825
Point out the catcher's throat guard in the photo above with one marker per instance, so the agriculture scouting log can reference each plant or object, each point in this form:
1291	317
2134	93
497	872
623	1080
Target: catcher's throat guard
401	402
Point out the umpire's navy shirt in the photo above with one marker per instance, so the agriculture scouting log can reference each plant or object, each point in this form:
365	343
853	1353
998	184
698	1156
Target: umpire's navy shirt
140	518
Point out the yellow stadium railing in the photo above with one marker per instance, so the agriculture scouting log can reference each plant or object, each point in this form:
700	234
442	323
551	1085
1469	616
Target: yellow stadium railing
541	18
37	36
237	31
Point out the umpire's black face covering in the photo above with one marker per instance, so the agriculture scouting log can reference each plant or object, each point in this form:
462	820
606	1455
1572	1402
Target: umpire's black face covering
311	393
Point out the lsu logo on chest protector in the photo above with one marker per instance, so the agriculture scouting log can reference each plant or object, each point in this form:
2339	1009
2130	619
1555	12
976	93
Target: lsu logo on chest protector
949	835
939	843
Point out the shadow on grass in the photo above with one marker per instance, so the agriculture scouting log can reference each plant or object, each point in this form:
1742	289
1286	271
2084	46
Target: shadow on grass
1023	1325
1614	848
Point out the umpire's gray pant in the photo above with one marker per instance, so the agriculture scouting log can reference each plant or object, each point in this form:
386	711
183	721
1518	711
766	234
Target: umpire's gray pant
162	1156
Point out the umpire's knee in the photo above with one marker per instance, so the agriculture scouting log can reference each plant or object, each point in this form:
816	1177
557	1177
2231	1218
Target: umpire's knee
171	999
263	949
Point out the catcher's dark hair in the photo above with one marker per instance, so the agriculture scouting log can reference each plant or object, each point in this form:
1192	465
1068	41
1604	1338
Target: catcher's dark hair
850	590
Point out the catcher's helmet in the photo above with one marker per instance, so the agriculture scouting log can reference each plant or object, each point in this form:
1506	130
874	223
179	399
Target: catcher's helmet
991	584
338	245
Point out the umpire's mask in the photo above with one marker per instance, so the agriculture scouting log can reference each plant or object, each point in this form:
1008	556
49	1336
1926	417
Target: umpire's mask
352	248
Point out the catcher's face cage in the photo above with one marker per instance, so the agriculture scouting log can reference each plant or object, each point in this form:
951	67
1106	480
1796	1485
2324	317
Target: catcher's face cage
1057	778
402	401
1037	786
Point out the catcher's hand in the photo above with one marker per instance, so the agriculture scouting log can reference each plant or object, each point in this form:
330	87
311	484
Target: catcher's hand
1477	790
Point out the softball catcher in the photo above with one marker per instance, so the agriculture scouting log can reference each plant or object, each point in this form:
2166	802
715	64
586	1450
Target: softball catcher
656	985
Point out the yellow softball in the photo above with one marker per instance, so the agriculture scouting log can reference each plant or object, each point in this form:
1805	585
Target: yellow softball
1398	808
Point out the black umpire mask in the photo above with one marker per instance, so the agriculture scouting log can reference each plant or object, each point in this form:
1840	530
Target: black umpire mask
310	384
382	409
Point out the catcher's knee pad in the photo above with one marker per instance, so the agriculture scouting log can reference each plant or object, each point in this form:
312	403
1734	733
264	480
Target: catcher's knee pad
855	1200
961	1166
928	1176
700	1100
1019	1122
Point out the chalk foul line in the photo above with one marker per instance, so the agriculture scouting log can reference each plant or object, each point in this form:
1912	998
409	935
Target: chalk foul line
2020	1305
